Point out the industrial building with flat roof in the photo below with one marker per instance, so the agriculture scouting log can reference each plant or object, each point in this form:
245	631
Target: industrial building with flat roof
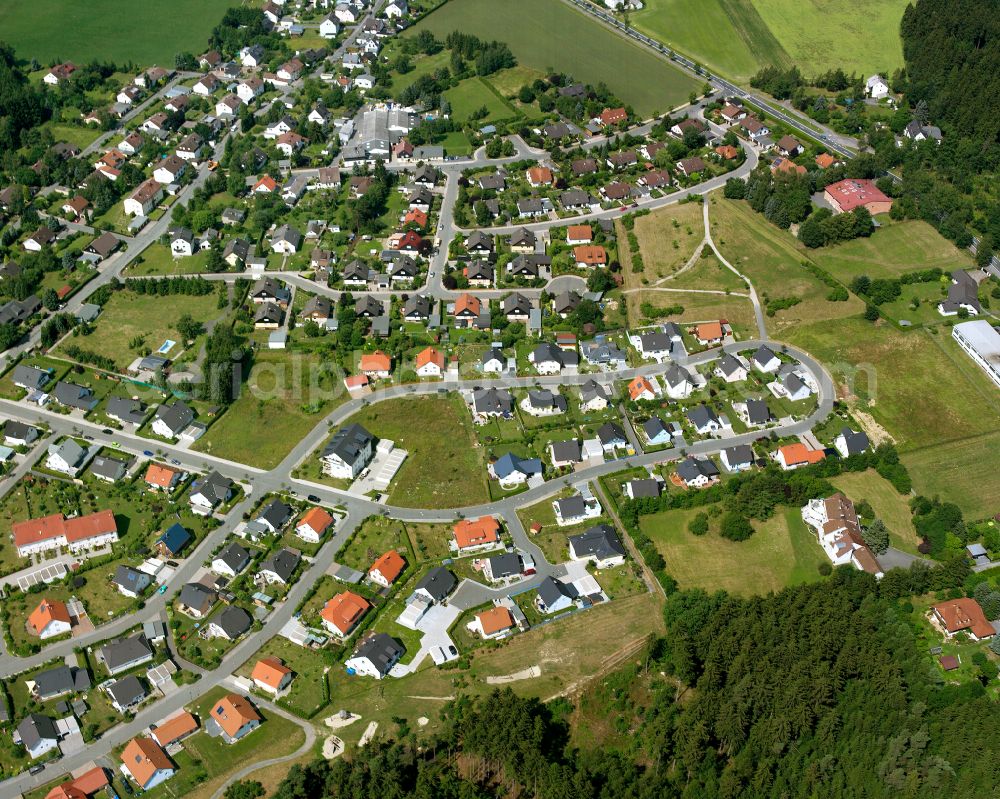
982	342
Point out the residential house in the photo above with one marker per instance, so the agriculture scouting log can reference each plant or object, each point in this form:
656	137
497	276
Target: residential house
341	613
125	654
162	478
270	674
552	597
234	717
794	456
738	458
764	360
130	582
494	623
375	656
231	624
599	545
511	470
474	534
678	381
279	567
839	533
646	487
963	615
575	509
731	368
197	600
146	763
850	193
593	397
49	619
642	389
170	421
126	694
173	541
67	457
209	492
612	436
430	363
348	452
110	470
704	420
697	472
387	568
54	532
232	560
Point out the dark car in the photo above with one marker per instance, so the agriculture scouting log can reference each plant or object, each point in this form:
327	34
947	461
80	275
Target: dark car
313	498
35	769
148	453
108	431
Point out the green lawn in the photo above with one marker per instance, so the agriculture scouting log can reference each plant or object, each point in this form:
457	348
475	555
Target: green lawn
307	695
738	37
283	398
889	505
80	135
444	467
148	33
725	35
782	552
954	471
547	34
375	537
472	94
430	541
144	321
157	260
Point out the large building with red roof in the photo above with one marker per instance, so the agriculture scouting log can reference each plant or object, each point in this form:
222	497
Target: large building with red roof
846	195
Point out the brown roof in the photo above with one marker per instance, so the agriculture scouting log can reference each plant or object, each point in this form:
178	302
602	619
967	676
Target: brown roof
143	758
579	232
270	671
390	565
344	610
467	304
232	712
55	525
964	613
174	729
48	610
590	254
317	519
474	532
159	475
495	620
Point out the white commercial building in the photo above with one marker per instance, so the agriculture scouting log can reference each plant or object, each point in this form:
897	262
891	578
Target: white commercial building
982	342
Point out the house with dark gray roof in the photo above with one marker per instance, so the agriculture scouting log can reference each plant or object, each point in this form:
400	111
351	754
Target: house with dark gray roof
37	734
280	566
172	420
599	544
19	434
59	681
73	396
125	653
493	402
230	624
704	419
646	487
127	694
110	470
130	582
196	599
697	472
552	597
275	515
30	378
210	491
348	452
850	443
233	559
436	584
738	458
612	436
565	453
125	410
503	567
375	656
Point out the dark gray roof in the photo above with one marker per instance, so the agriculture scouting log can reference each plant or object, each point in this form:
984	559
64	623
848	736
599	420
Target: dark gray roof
348	443
856	442
125	409
111	468
793	383
382	650
129	578
701	415
523	237
73	396
692	468
551	591
516	303
544	399
197	597
592	389
506	565
417	305
61	680
493	401
36	728
654	427
729	364
758	412
438	583
565	302
480	270
741	453
601	541
677	375
269	312
368	306
571	507
125	650
213	486
646	487
763	355
276	513
127	691
547	352
234	621
283	563
234	556
17	430
30	377
567	450
176	416
611	433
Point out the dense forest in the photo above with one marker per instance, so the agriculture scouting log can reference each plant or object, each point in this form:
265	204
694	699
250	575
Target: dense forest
819	691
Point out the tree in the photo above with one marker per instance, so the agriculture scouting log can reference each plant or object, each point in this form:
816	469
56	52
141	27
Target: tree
50	299
246	789
735	527
699	524
600	280
876	536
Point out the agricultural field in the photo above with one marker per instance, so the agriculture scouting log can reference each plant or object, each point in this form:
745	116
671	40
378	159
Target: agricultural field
781	553
284	398
132	324
738	37
444	467
547	34
728	36
151	32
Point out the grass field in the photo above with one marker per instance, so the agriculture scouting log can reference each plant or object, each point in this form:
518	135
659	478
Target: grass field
772	259
546	34
726	35
445	467
128	317
738	311
569	653
782	552
667	239
471	95
896	248
151	32
955	471
738	37
306	695
282	400
889	505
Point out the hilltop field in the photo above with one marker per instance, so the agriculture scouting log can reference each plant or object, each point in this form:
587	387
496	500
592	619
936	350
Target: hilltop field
148	32
737	37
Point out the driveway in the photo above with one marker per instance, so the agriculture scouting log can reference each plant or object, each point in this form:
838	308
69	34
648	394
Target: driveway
434	625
